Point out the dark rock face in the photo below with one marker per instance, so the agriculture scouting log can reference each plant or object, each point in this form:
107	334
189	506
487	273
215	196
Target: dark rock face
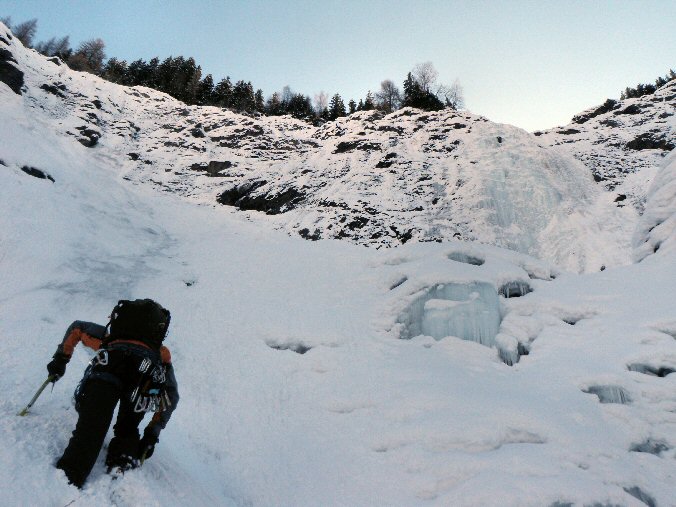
402	236
273	204
609	123
607	106
305	234
633	109
133	156
387	161
650	141
391	128
37	173
55	89
568	132
9	72
90	137
233	196
246	198
348	146
213	168
357	223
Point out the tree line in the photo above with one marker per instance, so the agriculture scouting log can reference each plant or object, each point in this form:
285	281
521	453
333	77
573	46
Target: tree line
182	79
647	89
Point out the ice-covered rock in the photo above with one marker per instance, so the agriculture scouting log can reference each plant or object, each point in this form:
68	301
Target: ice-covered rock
610	394
656	231
470	312
470	300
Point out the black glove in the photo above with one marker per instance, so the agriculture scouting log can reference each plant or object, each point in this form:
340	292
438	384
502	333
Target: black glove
146	445
57	366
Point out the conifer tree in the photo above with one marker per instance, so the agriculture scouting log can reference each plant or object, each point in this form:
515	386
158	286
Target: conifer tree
115	71
369	103
336	107
243	98
273	106
165	74
411	91
300	106
223	93
259	101
188	79
150	77
205	91
352	106
416	96
141	73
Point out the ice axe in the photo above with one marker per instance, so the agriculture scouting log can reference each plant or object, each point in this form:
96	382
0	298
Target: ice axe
51	378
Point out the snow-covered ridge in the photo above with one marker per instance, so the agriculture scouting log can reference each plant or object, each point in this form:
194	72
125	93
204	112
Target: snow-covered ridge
371	179
623	142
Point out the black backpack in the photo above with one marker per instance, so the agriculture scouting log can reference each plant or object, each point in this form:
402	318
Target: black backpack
141	320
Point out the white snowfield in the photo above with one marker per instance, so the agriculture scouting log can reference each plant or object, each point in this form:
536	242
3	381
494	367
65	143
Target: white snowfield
325	373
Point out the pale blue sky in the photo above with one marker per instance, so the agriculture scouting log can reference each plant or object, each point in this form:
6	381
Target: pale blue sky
533	64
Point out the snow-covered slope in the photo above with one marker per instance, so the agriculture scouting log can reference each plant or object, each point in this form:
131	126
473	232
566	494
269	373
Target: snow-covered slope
656	231
371	179
323	373
623	142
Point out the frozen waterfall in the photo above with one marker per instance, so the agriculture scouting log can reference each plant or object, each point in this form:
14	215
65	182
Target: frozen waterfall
470	311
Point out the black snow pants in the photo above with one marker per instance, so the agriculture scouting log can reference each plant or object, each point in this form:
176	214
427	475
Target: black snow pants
96	409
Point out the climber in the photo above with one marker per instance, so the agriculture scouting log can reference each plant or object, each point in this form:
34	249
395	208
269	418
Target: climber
131	367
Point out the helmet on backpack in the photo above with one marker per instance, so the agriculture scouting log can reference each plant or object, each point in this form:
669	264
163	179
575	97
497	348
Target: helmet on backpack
141	320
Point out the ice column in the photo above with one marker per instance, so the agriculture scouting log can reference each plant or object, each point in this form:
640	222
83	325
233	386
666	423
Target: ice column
469	311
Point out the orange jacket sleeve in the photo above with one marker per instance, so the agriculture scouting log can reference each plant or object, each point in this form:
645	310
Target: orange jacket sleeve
89	333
